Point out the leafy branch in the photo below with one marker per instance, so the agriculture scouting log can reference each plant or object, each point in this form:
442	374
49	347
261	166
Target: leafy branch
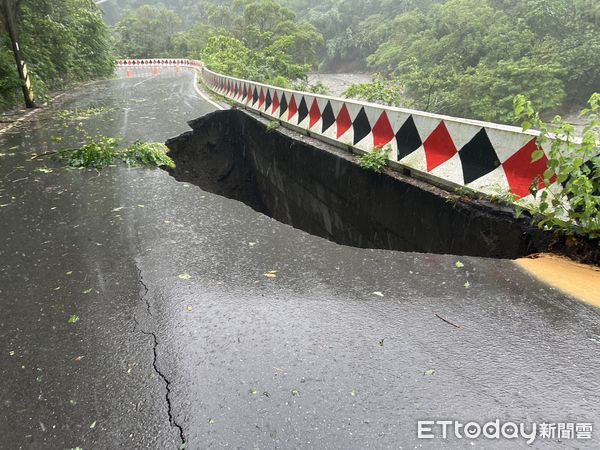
105	151
570	201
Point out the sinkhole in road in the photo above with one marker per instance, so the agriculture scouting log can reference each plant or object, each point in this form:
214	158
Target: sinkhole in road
320	189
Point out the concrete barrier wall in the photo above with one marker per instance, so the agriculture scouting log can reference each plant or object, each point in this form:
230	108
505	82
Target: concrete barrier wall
489	158
153	62
485	157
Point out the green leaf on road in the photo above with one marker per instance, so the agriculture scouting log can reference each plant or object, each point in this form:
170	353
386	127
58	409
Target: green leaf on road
73	319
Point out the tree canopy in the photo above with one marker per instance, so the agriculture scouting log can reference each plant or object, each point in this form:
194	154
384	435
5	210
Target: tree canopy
471	57
63	41
147	32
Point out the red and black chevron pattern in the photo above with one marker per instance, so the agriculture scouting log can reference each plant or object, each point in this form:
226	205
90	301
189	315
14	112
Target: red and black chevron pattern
486	157
158	62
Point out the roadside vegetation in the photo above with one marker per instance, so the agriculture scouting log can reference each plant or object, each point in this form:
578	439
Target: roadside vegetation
62	41
376	160
572	203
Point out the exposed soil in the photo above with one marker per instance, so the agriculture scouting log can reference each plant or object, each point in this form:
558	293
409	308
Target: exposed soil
321	189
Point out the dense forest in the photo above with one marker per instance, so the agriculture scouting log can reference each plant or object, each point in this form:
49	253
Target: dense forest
63	42
460	57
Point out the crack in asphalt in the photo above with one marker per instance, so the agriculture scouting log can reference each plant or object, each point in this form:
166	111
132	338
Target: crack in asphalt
162	376
145	294
167	382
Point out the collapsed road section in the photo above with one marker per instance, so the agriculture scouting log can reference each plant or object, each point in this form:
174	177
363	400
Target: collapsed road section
322	190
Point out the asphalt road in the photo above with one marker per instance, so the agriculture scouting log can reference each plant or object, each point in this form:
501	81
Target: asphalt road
185	332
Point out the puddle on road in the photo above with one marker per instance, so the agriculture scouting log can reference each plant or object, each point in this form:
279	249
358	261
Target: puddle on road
578	280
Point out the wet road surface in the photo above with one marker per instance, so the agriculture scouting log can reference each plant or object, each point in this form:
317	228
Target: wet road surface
209	323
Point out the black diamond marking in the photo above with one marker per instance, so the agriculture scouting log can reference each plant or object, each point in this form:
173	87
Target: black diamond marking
283	106
302	111
478	157
235	90
361	126
268	100
408	138
245	92
254	97
328	117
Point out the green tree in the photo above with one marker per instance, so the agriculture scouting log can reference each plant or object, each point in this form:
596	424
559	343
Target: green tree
190	43
10	85
147	32
253	39
469	58
380	90
569	33
228	55
487	92
8	16
63	41
272	64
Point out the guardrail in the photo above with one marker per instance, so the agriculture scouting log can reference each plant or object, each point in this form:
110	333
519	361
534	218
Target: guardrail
153	62
485	157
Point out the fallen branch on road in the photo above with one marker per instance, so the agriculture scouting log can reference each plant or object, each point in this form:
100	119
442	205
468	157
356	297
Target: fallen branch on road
447	321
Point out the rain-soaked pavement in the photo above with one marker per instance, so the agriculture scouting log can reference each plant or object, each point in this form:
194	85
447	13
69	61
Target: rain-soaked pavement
184	337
